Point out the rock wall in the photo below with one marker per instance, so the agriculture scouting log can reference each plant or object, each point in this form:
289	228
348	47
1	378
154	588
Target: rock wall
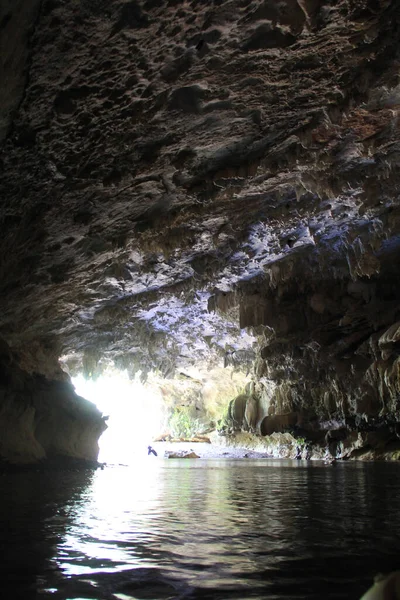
328	366
43	419
17	21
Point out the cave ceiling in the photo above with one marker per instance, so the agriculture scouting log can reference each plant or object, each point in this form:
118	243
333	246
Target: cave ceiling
166	165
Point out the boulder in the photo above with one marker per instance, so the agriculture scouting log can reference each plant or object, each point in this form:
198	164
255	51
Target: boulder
180	454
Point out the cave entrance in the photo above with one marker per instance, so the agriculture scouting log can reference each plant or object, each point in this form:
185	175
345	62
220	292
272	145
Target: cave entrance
135	415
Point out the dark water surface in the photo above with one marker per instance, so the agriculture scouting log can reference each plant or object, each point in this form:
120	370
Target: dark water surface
196	529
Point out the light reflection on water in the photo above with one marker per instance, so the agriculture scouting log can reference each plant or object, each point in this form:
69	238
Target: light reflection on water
215	529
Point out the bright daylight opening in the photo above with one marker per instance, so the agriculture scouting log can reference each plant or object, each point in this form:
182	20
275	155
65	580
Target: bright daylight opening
135	415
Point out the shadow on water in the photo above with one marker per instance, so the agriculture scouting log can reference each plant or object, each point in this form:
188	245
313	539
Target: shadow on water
217	529
36	508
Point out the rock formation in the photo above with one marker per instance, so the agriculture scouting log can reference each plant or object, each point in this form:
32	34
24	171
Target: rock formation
42	419
181	454
209	182
236	412
251	413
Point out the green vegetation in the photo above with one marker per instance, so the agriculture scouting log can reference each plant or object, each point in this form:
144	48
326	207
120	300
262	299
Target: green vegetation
182	424
224	422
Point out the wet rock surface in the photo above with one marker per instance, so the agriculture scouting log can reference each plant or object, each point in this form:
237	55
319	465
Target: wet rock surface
202	182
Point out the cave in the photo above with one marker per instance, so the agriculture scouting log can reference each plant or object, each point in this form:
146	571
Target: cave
201	198
226	199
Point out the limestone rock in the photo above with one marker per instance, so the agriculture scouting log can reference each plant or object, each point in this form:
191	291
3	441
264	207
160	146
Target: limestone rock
236	411
251	413
180	454
43	419
214	185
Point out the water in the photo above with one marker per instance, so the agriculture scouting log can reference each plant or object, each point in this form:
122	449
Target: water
191	529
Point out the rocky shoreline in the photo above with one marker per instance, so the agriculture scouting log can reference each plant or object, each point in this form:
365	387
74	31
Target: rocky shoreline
276	446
